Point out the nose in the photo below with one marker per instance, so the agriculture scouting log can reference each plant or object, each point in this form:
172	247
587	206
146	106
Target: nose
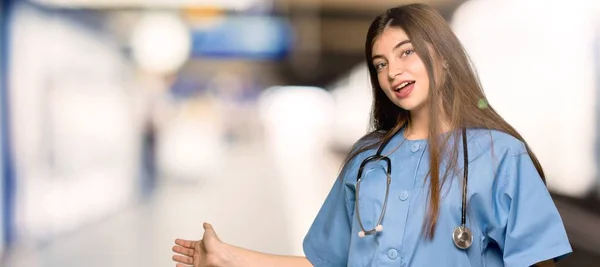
394	69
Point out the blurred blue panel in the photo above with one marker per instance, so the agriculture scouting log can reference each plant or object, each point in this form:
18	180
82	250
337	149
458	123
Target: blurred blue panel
251	37
6	163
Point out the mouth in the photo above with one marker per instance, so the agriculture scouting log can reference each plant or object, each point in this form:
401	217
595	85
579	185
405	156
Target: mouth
403	85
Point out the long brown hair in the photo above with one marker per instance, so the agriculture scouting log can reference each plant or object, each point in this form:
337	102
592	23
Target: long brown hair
459	94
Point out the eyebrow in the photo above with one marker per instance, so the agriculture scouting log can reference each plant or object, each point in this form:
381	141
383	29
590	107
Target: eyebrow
395	47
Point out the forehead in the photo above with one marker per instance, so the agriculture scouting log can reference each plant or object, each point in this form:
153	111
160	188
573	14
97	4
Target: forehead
386	42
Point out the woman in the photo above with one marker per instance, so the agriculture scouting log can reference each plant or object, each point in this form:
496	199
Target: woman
444	143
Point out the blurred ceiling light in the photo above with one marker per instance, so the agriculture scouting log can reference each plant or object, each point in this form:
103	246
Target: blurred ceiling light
223	4
161	42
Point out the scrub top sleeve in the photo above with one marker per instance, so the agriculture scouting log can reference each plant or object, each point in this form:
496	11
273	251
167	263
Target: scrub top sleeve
527	227
327	242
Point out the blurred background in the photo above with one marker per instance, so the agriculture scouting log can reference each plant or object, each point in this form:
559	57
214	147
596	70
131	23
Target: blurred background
127	123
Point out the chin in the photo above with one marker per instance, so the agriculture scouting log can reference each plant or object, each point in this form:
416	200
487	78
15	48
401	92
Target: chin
412	102
407	105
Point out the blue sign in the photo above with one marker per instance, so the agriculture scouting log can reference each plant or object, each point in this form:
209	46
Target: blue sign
254	37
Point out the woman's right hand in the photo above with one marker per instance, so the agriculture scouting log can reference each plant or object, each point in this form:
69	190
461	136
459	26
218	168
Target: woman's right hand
207	252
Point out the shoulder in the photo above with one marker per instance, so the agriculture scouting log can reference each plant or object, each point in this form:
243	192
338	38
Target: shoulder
361	149
496	142
506	155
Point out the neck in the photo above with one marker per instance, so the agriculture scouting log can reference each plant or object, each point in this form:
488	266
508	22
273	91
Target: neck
418	126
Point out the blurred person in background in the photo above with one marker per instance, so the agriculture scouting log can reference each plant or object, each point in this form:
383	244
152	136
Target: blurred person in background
432	130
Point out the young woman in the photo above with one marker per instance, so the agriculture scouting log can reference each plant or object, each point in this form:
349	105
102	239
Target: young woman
442	180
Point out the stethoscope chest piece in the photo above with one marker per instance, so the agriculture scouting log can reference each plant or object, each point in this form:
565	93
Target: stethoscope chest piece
462	236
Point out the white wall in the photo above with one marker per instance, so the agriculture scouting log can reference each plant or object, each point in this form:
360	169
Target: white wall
75	134
535	61
296	122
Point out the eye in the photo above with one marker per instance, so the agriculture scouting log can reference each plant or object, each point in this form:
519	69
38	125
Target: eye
408	52
380	65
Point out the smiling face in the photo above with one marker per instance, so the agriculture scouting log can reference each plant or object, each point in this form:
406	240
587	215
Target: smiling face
400	72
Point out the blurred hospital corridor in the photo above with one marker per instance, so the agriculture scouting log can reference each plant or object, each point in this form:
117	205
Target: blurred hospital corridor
245	202
125	124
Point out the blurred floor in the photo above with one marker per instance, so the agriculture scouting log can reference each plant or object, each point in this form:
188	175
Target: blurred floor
143	235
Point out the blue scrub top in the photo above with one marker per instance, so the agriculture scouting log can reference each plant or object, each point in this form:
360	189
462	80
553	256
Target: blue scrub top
510	212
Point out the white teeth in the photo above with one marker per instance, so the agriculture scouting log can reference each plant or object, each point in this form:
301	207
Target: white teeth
402	85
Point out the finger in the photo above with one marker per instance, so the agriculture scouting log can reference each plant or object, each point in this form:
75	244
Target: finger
183	259
208	227
185	243
209	232
181	265
184	251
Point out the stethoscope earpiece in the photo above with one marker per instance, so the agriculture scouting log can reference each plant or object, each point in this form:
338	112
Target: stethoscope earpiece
361	234
377	229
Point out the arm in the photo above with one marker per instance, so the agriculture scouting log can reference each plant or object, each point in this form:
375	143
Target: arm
210	251
248	258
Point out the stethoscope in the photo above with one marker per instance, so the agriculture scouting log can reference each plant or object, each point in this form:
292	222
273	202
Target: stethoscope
462	236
